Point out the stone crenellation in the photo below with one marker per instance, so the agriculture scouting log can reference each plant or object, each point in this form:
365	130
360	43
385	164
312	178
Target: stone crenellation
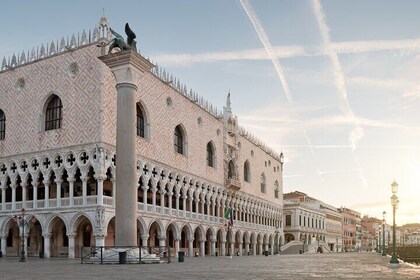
54	48
243	132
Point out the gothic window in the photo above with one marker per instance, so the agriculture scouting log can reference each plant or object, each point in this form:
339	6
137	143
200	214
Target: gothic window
2	125
263	183
247	173
288	220
210	154
179	140
276	189
231	170
53	113
140	121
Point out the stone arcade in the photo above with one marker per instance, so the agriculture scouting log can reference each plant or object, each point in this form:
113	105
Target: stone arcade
192	163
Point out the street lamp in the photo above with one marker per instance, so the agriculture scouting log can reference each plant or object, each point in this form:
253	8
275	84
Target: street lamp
317	239
394	202
383	234
20	221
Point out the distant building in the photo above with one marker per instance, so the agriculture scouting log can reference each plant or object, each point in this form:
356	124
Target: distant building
312	219
352	229
370	233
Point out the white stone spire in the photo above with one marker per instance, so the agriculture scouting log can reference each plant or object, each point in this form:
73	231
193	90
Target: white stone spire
228	104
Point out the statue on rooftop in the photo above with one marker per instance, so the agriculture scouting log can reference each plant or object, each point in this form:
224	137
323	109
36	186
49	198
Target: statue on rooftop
119	42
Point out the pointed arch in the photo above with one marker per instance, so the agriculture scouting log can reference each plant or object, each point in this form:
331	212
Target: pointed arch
247	171
231	170
53	113
180	140
276	189
142	121
263	183
2	125
211	154
51	221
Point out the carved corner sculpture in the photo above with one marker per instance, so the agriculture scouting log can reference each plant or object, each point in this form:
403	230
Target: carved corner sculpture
119	42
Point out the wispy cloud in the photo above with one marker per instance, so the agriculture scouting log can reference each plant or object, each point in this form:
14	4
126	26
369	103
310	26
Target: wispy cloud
278	52
262	35
186	59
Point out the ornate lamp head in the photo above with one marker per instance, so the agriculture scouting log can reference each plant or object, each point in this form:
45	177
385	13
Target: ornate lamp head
394	187
384	215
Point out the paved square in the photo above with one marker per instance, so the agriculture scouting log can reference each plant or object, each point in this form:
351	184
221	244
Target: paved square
325	266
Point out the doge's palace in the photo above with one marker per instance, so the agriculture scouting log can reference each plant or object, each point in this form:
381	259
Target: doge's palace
194	162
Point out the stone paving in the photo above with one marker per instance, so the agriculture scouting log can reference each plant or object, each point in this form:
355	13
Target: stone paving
315	266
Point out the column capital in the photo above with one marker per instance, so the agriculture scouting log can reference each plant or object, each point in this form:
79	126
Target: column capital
126	65
144	236
47	235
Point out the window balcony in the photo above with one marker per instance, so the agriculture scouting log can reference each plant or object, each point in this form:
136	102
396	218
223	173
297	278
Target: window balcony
233	184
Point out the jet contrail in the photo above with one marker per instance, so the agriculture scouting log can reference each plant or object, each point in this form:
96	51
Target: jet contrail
273	57
357	133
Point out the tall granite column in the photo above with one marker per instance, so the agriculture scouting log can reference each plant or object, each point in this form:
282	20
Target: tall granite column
126	66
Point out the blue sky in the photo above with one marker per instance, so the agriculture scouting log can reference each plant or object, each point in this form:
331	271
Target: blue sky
332	84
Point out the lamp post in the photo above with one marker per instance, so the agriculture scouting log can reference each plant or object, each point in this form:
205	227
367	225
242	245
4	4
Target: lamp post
20	221
303	243
383	234
394	202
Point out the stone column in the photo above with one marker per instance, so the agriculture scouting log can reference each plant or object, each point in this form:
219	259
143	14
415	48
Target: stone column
24	185
170	202
254	249
13	186
3	245
154	190
84	189
177	204
202	249
184	204
100	197
246	248
176	243
223	247
71	245
114	191
35	200
58	183
162	201
127	67
47	251
260	245
191	247
231	248
3	199
196	207
71	194
99	240
144	240
240	248
47	194
213	247
191	203
145	188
